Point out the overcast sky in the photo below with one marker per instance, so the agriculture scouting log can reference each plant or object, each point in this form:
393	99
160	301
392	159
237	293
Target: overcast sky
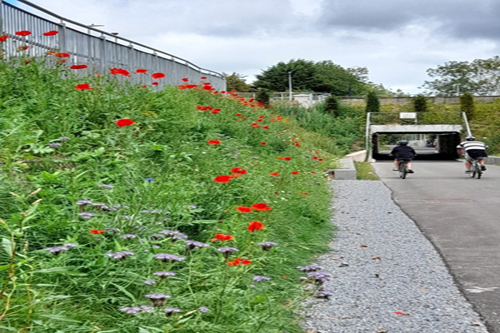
396	40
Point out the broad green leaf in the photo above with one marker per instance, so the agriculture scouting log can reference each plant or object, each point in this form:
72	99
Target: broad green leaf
8	246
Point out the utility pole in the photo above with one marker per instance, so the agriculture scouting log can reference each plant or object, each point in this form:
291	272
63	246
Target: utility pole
290	84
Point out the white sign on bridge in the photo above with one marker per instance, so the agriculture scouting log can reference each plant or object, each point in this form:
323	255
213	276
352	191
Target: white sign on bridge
408	115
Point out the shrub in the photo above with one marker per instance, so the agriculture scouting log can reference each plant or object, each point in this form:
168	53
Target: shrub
467	105
372	102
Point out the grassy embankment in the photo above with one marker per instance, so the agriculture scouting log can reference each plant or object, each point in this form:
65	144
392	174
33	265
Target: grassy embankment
229	178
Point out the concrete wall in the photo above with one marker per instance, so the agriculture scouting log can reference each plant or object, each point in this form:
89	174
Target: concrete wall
406	100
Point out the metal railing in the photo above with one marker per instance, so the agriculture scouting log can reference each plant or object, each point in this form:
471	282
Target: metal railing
99	52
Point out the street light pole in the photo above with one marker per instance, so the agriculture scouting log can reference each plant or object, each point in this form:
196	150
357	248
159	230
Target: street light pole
290	84
458	89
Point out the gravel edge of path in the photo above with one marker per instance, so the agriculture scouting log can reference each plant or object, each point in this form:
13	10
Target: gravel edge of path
386	275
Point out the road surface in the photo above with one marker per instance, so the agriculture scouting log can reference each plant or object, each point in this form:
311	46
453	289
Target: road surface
461	217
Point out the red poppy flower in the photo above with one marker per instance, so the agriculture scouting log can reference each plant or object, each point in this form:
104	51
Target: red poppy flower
238	114
124	122
83	86
295	172
214	142
61	55
143	86
141	71
3	38
265	127
287	158
158	75
96	232
222	237
121	71
261	207
320	159
274	174
154	83
243	209
233	263
78	66
313	172
255	226
245	262
263	143
239	170
315	158
280	158
185	79
203	77
23	33
51	33
222	179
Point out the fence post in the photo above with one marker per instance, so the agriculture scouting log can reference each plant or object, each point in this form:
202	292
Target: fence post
103	53
62	37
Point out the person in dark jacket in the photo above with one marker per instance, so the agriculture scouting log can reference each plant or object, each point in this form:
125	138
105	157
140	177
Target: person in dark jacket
403	152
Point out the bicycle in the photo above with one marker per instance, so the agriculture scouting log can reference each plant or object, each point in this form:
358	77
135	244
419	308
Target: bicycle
475	169
403	169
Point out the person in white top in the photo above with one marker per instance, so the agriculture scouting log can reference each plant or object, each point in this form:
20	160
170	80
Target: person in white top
472	150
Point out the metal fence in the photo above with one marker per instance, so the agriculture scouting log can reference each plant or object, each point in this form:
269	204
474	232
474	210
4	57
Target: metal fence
97	49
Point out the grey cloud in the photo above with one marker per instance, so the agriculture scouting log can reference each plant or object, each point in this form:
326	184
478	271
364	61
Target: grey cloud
458	18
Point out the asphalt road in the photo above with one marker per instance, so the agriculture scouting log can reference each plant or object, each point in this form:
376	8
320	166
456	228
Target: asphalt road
461	217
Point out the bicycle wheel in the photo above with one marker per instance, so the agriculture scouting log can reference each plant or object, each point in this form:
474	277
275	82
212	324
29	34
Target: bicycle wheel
479	172
473	169
402	170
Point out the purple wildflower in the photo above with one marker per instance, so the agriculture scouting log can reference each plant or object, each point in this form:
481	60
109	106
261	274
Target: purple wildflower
136	309
310	268
319	277
86	215
266	246
158	299
193	207
226	251
57	249
112	230
156	236
203	309
122	255
129	236
70	245
54	145
170	311
260	278
63	138
323	293
191	244
106	186
166	257
149	179
149	282
163	275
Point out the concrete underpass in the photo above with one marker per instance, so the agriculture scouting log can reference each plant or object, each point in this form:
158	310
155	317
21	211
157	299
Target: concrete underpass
431	142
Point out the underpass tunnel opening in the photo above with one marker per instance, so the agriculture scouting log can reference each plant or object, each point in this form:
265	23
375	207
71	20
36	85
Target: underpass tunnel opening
428	146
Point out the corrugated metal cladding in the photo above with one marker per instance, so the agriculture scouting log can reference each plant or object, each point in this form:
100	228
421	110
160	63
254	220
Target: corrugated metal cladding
97	49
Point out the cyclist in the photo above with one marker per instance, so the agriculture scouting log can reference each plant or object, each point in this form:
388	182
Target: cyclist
403	152
472	150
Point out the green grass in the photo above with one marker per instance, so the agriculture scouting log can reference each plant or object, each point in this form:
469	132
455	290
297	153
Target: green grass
365	171
162	170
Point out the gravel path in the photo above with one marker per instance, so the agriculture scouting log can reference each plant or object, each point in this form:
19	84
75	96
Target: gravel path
386	276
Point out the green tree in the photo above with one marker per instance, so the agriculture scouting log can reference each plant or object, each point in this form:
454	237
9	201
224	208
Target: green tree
236	82
276	78
263	97
372	102
467	105
322	76
420	104
337	80
332	106
480	77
